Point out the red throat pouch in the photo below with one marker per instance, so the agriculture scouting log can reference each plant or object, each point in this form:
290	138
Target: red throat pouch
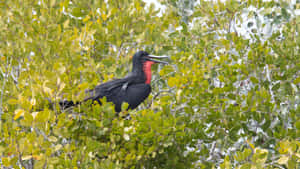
147	71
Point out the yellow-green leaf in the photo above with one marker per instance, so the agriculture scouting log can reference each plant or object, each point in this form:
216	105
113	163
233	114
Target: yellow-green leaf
66	23
52	3
297	80
5	161
12	101
172	81
28	157
19	113
283	160
52	139
58	147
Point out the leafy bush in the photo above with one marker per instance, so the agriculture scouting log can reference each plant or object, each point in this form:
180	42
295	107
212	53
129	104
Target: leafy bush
229	99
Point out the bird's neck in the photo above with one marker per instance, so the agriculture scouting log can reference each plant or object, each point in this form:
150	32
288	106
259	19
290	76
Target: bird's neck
147	71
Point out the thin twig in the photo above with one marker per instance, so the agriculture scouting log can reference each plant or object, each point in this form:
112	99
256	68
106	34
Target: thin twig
120	50
20	156
2	90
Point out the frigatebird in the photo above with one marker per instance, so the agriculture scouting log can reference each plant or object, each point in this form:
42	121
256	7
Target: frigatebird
133	88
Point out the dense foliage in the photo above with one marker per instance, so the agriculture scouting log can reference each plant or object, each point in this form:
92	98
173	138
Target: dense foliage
229	98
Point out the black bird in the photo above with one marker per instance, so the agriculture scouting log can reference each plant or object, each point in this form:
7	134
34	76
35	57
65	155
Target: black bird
133	89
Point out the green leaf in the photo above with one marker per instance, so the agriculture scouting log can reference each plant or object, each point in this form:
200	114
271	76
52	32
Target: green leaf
172	81
42	116
245	166
2	149
297	80
276	87
5	161
52	3
19	113
283	160
125	106
254	80
78	12
297	124
28	119
13	101
52	139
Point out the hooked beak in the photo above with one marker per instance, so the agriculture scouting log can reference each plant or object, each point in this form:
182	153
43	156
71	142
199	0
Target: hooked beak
153	58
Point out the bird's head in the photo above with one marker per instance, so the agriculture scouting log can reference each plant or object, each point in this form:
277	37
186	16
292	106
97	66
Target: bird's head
142	61
142	57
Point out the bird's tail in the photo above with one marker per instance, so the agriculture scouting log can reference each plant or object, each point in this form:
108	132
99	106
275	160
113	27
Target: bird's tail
65	104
